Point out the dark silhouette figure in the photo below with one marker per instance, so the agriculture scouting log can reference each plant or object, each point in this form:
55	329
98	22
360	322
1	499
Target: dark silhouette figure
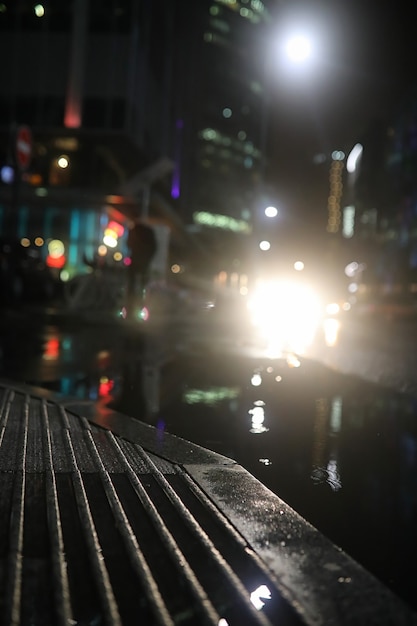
142	245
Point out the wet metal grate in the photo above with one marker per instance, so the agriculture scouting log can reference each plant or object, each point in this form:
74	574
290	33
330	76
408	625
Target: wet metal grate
93	530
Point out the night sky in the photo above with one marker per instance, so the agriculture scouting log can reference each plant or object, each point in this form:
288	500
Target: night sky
364	63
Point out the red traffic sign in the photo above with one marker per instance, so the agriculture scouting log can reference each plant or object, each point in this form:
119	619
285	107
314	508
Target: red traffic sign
23	147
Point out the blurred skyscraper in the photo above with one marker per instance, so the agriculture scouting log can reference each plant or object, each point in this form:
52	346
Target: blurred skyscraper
132	105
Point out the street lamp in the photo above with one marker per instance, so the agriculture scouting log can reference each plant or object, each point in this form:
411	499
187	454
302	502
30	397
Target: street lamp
298	48
271	211
295	50
292	50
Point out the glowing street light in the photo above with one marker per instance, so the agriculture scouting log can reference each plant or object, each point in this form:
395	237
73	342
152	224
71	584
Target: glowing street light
292	48
271	211
298	48
63	162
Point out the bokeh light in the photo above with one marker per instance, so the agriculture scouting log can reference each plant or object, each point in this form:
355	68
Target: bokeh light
271	211
298	48
264	245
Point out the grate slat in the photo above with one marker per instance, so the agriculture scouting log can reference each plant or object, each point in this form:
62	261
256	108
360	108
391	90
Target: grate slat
203	538
161	613
93	544
171	545
16	528
62	590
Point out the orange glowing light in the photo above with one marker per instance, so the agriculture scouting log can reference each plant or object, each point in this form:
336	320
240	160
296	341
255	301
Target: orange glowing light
51	352
116	228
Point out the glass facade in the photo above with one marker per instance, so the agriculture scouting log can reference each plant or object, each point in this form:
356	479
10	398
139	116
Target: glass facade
111	87
226	121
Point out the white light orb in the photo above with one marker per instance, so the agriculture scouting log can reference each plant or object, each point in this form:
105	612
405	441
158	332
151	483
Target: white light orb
298	48
264	245
271	211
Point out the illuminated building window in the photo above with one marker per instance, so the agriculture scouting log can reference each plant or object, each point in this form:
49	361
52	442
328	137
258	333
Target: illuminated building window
239	146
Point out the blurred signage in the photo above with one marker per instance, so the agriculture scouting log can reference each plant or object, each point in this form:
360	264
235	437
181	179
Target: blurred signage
224	222
23	147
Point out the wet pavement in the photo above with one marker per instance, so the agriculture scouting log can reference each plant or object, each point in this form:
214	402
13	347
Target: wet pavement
340	448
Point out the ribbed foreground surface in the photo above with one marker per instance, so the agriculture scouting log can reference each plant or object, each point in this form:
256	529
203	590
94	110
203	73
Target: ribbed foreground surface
98	528
95	531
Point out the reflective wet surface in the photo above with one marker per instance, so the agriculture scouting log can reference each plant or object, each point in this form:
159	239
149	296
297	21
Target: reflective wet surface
338	449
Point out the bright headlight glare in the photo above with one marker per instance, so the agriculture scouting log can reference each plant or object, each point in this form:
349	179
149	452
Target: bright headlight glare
286	312
332	309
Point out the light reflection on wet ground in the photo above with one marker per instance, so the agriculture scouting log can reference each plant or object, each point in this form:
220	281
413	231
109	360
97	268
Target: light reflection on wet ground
341	451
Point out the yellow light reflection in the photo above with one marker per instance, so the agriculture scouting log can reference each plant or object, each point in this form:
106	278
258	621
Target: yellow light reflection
331	328
257	413
293	361
256	379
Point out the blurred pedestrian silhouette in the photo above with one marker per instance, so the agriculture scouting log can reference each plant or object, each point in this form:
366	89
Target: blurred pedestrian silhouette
142	244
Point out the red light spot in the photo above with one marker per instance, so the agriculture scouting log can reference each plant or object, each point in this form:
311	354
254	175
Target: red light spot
105	386
51	349
55	261
116	228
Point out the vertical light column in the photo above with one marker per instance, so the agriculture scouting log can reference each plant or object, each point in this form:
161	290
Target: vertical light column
73	102
335	192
